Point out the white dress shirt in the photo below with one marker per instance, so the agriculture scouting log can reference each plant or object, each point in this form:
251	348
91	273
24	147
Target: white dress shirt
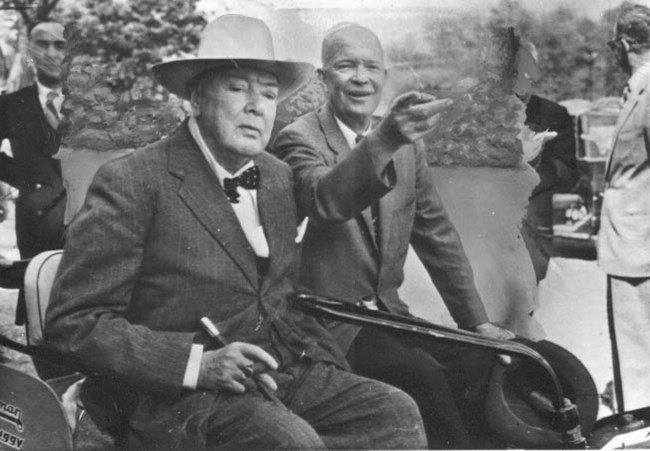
43	91
349	134
249	218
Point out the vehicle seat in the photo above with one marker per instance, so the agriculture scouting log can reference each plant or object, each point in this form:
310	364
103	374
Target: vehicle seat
38	281
39	278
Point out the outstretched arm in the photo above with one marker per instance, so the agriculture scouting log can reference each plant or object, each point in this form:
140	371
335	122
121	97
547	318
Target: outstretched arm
336	188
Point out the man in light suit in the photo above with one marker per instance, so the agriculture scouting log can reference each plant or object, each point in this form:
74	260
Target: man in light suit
29	120
369	194
624	236
203	224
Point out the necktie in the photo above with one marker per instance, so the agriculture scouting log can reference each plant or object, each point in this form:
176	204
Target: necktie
358	139
249	179
51	114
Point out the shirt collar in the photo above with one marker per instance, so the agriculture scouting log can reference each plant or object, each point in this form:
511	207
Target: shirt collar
43	91
219	170
349	134
638	80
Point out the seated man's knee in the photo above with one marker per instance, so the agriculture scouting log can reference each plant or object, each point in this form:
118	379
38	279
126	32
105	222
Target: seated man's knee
270	427
402	418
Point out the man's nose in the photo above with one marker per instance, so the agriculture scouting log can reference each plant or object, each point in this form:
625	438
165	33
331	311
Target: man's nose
253	102
360	74
52	51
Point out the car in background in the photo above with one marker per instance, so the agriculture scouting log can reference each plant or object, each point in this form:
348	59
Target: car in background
576	215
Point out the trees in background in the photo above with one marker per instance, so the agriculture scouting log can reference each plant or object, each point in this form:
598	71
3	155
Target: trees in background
574	58
135	34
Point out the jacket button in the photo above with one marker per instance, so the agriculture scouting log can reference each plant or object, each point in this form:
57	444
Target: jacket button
39	186
39	213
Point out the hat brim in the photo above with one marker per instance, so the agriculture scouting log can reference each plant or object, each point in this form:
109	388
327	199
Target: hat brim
176	75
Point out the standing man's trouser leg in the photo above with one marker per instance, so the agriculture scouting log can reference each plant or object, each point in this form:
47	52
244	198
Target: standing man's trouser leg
628	308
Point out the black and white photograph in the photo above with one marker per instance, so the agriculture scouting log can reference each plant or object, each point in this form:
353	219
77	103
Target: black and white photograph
324	224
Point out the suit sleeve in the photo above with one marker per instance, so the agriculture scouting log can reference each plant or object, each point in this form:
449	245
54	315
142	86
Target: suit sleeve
437	243
87	315
7	165
335	193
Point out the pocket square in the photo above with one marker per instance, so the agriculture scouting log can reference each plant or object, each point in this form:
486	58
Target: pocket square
301	229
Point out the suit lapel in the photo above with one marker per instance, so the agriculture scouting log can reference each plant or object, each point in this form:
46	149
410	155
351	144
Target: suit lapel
337	143
273	197
201	192
333	135
51	135
628	108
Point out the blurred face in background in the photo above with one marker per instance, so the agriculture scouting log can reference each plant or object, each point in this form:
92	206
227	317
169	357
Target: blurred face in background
354	73
47	50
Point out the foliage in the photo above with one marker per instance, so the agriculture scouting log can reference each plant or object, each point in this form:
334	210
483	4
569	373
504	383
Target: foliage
452	60
32	11
481	128
100	118
134	35
573	55
307	99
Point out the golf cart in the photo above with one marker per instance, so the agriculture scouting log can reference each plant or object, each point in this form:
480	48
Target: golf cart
544	398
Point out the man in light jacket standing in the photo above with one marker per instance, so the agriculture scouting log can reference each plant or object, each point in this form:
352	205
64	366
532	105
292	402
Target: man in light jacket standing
624	236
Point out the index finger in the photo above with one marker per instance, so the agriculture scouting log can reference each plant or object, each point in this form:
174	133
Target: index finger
411	99
255	353
431	108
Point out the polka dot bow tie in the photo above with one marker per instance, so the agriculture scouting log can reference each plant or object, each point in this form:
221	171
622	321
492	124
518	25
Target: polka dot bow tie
249	179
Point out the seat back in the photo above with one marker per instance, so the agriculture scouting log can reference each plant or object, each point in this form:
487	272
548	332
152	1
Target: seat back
39	278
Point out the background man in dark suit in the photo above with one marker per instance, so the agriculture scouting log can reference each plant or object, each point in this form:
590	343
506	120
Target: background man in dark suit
557	168
369	194
29	119
624	236
555	164
203	223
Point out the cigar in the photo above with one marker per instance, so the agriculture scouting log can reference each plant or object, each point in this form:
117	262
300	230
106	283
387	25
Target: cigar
214	333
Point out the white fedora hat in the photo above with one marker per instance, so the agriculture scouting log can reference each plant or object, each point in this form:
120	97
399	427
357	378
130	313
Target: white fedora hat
233	40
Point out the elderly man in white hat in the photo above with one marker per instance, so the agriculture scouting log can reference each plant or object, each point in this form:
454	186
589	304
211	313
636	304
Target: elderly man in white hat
173	286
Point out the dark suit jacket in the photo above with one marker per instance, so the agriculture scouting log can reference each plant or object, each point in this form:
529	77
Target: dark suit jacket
342	257
157	246
556	164
624	236
40	206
